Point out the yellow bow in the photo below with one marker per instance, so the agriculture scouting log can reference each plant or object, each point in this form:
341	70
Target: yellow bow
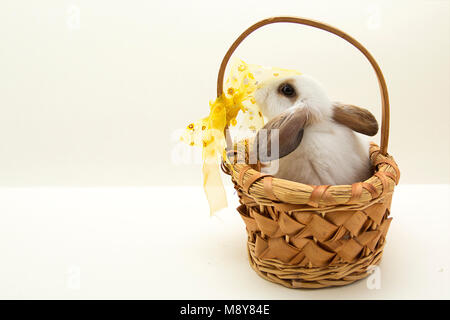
235	108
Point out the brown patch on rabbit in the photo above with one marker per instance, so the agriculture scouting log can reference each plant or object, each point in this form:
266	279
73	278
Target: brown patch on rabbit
290	125
355	118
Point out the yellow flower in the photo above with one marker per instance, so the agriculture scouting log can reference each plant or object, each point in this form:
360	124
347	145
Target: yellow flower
234	107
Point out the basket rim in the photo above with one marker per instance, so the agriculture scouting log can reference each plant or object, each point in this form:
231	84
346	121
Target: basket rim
265	189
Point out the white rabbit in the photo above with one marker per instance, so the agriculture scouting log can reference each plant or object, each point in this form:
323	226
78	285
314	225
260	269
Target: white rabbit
317	140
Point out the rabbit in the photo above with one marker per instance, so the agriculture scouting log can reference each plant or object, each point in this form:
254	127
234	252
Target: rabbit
318	143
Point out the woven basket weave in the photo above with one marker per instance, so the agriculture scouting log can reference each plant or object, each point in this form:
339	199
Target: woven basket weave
305	236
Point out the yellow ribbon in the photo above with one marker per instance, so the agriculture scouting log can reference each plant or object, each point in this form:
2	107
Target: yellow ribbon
235	108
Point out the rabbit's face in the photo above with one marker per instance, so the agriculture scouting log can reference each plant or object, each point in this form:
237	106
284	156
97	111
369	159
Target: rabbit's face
276	96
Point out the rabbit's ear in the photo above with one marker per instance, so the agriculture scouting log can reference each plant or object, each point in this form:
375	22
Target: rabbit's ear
290	126
356	118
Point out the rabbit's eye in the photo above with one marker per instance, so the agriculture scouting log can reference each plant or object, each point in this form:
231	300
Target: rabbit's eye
287	90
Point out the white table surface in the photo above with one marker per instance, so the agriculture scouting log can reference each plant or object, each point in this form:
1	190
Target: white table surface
144	243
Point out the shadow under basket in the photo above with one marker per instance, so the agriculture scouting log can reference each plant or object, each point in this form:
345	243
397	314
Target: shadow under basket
304	236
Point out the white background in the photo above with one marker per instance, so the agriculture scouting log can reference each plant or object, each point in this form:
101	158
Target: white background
92	92
95	201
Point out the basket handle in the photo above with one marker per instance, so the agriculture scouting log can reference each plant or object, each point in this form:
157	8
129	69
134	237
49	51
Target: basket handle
320	25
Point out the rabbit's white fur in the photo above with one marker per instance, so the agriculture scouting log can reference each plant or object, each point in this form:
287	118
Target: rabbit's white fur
329	153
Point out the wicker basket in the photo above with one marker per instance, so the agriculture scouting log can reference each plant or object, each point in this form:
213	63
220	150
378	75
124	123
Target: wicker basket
305	236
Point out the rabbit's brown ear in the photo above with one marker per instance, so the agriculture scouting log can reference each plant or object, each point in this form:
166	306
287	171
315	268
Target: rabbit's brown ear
356	118
290	126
